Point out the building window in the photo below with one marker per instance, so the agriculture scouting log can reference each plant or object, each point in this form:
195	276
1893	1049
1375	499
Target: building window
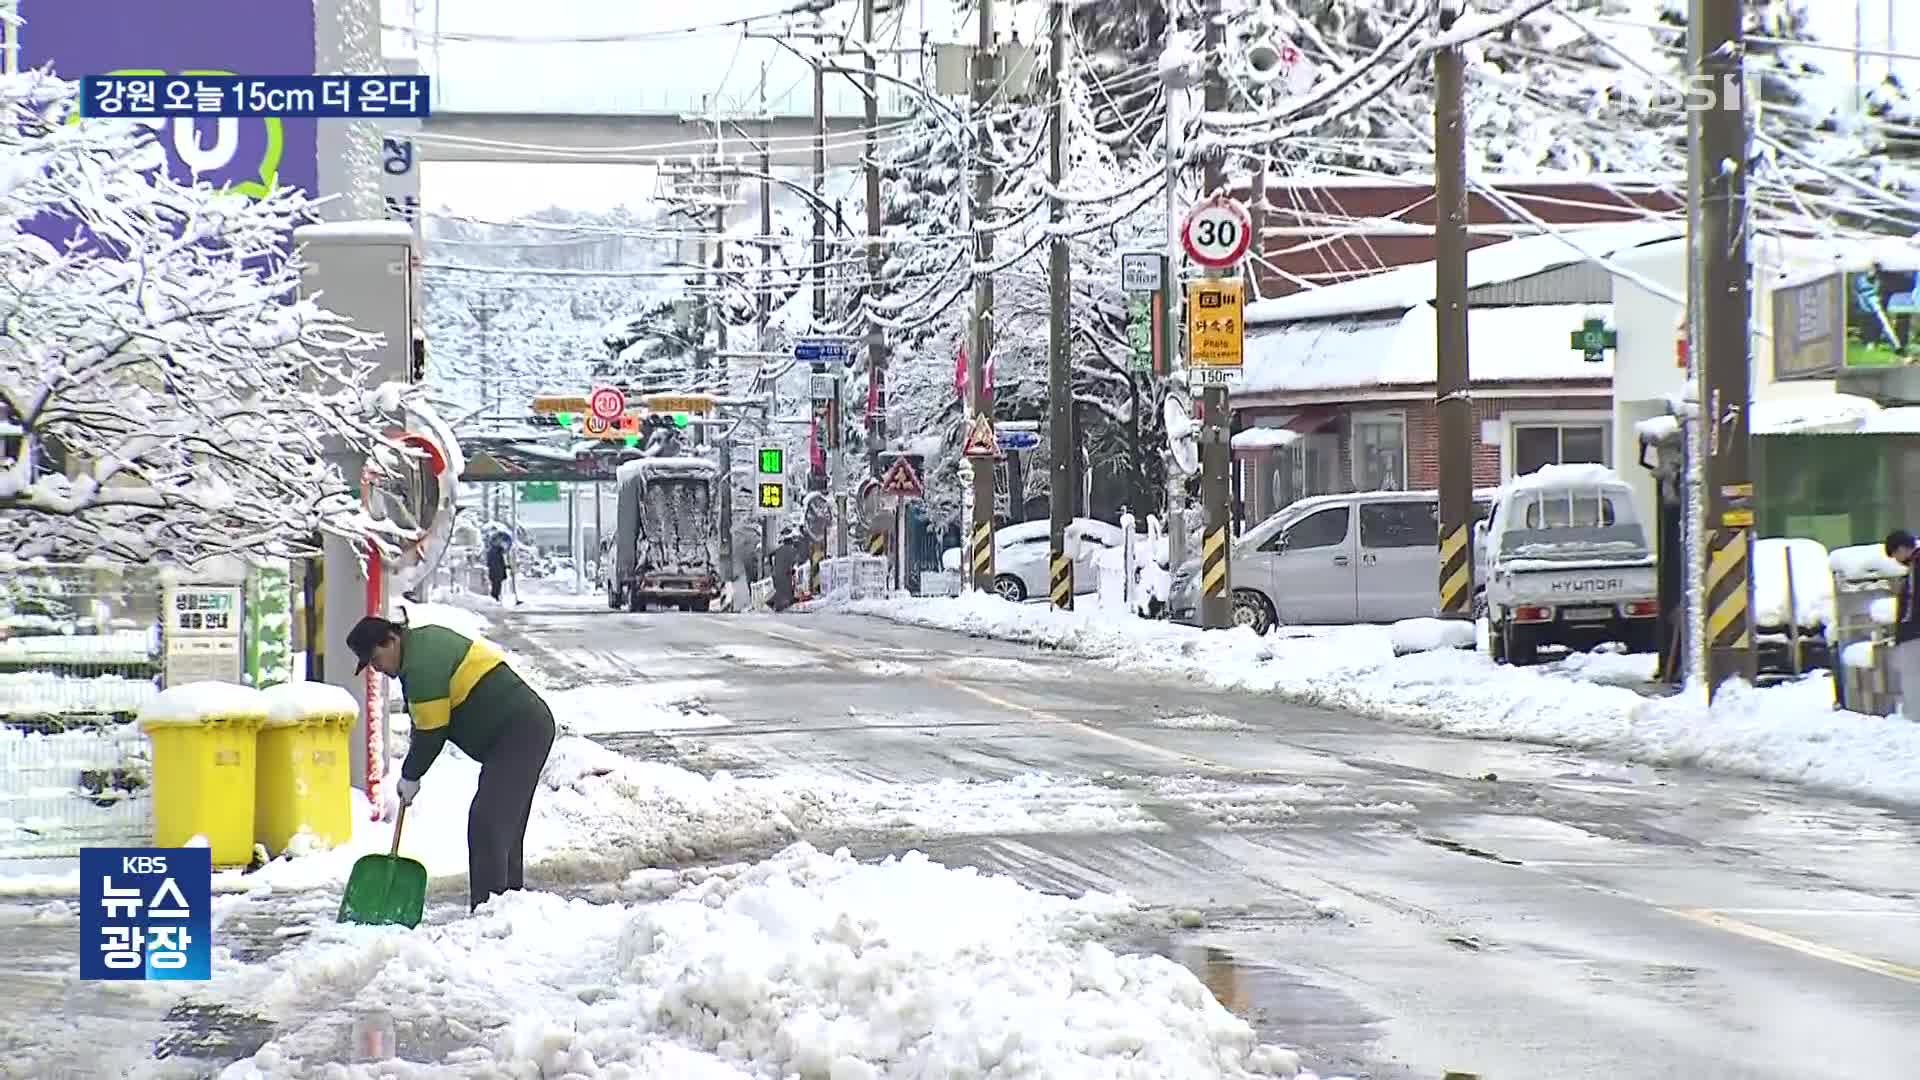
1559	442
1379	452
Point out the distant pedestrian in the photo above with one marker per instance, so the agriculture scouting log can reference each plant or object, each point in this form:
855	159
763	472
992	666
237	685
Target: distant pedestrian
786	558
460	690
1900	547
497	562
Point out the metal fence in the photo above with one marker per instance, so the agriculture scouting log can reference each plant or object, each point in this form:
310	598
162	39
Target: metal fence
80	654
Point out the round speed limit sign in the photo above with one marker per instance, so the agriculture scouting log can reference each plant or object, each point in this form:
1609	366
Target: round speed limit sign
1217	233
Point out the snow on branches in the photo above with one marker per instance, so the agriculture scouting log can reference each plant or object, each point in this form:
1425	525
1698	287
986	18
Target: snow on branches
163	392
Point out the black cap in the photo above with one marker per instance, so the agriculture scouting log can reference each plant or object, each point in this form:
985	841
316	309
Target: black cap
367	633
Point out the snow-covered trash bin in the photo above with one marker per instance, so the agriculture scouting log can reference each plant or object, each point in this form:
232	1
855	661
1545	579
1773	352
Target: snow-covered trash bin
303	788
204	738
1431	635
1793	605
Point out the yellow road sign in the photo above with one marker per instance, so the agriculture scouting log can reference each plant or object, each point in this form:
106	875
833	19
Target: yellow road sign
550	404
773	496
674	403
1216	322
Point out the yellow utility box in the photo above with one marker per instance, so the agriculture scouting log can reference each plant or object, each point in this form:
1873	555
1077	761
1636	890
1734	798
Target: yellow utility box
304	797
203	737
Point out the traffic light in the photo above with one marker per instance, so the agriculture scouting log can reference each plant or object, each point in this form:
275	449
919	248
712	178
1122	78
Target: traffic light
680	419
419	359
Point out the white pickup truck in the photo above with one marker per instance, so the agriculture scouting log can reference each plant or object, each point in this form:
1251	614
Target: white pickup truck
1567	563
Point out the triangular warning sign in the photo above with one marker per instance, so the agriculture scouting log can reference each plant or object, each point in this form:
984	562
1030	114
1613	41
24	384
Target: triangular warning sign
901	480
980	439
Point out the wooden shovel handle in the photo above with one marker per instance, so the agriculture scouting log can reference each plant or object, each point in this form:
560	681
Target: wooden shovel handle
398	824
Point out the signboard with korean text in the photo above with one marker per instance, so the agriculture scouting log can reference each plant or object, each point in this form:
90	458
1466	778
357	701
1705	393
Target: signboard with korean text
1216	331
146	914
202	634
1810	329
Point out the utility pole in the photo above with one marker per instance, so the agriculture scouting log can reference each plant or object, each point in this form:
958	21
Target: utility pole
980	536
1059	378
817	478
1720	297
1216	453
876	343
483	313
763	301
1452	400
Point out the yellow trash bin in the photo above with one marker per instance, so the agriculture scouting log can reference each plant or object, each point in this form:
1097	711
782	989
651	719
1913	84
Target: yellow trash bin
303	798
203	738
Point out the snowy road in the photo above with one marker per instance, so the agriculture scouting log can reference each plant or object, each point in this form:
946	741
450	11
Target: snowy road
1395	902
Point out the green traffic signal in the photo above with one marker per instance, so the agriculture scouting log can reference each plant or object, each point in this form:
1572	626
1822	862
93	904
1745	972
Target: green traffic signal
632	441
565	418
680	419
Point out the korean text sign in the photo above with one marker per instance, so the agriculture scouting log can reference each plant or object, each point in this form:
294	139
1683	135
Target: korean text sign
157	95
146	913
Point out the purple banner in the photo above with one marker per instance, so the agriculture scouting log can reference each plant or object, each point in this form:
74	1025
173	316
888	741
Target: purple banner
244	37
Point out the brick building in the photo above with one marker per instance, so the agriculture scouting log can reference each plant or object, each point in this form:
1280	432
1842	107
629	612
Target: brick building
1339	381
1321	231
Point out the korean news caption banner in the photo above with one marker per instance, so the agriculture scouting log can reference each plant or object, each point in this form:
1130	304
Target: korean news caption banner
146	913
253	97
252	155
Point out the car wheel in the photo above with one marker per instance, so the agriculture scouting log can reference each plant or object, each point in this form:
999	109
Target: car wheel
634	603
699	605
1010	588
1252	610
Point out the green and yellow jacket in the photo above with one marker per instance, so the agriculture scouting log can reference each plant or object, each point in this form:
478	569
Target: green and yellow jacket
457	688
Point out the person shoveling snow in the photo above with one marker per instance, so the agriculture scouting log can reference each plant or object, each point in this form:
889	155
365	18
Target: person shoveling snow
461	689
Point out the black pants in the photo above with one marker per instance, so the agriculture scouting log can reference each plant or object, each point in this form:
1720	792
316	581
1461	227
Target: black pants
495	581
497	822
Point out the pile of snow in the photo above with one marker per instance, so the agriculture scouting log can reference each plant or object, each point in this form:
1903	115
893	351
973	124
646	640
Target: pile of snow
294	703
1792	566
1789	732
1865	562
668	705
120	647
1426	635
806	964
41	693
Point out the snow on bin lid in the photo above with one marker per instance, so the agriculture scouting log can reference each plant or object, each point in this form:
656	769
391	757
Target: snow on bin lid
295	703
1864	562
201	702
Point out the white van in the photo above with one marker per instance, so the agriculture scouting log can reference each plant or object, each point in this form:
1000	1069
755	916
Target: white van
1361	557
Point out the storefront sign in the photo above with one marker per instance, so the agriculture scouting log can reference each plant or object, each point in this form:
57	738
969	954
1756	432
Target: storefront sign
1809	329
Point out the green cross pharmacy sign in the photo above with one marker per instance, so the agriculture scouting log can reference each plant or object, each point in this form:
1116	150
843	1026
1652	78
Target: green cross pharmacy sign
1593	339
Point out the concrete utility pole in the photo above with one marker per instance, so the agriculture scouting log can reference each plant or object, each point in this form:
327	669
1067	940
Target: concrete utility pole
1720	297
817	476
483	313
1452	400
980	535
876	342
1060	493
1216	453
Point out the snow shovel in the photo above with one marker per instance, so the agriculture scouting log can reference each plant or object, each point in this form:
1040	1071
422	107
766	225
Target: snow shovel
386	890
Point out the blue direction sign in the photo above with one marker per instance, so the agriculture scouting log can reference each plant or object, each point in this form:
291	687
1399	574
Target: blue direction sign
1018	440
822	350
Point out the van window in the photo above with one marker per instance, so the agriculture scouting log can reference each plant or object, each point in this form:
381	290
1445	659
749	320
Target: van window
1399	524
1322	528
1569	510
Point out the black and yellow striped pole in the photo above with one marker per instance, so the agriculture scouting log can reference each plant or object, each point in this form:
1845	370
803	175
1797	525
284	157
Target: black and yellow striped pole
1452	384
1722	344
1060	582
1214	583
1729	585
876	543
980	549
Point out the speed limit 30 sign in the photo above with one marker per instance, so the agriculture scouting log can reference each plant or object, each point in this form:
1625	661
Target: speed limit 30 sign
1217	233
607	403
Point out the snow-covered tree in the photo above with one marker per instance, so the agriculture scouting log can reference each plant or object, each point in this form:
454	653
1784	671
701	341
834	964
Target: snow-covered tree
173	397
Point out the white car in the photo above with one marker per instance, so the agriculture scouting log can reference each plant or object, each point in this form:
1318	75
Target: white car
1020	556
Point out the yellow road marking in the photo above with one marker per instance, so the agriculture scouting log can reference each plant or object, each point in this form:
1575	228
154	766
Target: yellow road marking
1718	921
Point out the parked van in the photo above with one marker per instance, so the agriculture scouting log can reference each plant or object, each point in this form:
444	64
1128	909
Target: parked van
1369	556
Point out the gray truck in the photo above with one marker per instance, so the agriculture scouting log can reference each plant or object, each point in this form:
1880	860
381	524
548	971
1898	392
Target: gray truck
1567	564
666	543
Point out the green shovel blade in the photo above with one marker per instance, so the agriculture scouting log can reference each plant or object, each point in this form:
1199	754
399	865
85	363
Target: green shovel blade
385	890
